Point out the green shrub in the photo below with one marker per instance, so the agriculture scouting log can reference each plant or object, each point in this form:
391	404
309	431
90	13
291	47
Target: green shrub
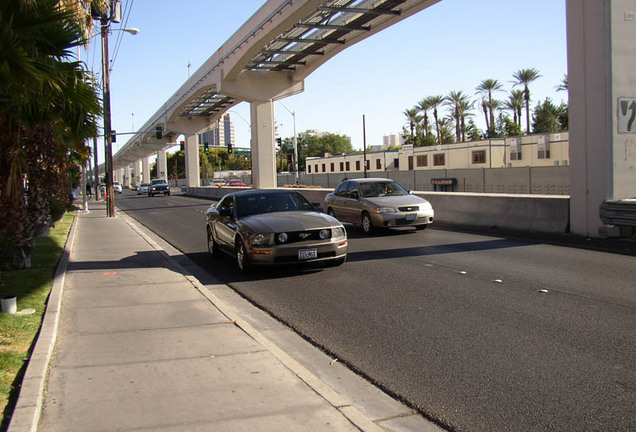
57	208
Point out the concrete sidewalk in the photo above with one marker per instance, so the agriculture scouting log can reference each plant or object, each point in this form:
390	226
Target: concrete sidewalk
142	344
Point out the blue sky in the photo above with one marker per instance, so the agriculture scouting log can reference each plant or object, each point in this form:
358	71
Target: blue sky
452	45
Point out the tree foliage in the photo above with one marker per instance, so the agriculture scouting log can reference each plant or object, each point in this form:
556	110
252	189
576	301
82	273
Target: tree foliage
548	117
48	106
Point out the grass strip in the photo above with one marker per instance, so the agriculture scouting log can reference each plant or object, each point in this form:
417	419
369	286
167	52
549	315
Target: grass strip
31	287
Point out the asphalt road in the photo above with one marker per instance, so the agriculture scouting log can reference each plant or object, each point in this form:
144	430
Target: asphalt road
458	325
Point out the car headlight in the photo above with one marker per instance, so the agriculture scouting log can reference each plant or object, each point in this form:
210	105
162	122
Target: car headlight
384	210
426	206
261	240
339	232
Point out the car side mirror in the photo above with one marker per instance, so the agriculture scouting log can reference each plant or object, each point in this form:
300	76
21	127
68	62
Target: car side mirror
355	195
317	206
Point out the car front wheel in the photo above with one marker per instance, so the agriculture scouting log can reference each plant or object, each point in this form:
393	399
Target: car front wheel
367	224
213	247
241	255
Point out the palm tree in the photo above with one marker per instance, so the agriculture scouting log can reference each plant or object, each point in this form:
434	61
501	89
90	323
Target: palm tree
564	84
486	89
525	77
423	106
464	106
47	105
515	104
413	118
456	100
434	102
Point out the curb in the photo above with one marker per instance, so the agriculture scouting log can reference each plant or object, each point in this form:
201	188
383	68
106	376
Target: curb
26	414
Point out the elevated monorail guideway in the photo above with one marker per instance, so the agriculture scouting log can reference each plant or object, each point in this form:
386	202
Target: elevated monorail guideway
267	59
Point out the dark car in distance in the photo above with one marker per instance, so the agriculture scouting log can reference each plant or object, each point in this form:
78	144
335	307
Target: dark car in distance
157	187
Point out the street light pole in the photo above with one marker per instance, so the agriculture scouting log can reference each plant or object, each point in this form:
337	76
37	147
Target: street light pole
108	138
293	113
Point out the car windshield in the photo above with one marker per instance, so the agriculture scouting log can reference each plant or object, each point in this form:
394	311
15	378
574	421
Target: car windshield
253	204
155	182
380	189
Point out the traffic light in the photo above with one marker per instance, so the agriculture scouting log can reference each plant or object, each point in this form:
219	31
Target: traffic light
229	147
279	141
206	147
182	145
113	136
158	132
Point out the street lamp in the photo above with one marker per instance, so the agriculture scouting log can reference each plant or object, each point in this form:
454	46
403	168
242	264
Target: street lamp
108	138
293	113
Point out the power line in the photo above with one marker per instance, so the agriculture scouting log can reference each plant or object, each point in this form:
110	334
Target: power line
127	10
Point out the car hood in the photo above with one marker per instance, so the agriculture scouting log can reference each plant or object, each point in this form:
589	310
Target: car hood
396	201
289	221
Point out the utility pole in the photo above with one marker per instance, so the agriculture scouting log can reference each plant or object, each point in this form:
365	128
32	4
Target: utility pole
108	137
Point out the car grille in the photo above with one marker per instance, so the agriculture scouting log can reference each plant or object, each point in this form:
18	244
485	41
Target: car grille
409	208
301	236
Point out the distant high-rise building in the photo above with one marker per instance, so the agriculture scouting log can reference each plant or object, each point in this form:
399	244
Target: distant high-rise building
221	134
393	140
311	132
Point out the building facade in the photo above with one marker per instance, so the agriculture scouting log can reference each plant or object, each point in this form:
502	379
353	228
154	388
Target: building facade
522	151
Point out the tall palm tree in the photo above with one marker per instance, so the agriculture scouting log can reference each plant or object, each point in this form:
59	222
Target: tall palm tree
47	105
434	102
455	100
515	104
464	106
484	109
486	88
524	77
413	118
423	106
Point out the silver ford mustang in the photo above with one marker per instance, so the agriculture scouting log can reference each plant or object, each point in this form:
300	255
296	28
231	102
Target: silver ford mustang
274	227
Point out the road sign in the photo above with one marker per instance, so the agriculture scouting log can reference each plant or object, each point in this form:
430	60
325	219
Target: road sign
626	115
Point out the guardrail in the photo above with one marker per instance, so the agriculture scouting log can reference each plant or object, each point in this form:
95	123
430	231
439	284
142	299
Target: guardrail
531	213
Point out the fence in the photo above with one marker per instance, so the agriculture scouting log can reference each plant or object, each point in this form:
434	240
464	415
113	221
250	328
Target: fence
554	180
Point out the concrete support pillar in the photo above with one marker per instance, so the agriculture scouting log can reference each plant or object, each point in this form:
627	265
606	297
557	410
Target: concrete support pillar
602	99
162	165
192	161
145	170
263	148
138	172
127	174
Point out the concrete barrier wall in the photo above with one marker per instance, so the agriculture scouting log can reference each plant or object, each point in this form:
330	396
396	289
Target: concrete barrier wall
531	213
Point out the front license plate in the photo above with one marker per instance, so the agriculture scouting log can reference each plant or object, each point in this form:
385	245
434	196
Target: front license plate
305	254
411	216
